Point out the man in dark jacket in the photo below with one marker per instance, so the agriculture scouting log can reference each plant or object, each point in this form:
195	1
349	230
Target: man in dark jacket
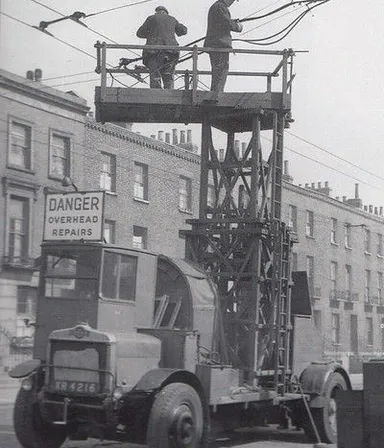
218	35
160	29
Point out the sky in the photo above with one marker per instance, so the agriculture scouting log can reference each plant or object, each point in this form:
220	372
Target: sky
337	98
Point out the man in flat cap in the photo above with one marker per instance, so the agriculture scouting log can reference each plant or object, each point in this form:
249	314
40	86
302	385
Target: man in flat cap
219	28
160	29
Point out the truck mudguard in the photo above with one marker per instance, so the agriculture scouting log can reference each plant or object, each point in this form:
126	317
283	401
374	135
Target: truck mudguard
157	378
24	369
314	378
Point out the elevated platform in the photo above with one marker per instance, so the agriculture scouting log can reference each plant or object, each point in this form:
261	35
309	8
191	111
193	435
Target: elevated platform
233	112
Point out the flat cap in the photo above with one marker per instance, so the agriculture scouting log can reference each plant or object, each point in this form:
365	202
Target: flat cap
161	8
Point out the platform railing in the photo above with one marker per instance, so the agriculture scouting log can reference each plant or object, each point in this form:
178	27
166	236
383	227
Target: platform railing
283	68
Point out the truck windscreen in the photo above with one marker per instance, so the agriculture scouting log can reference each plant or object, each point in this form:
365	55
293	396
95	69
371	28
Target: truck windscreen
72	274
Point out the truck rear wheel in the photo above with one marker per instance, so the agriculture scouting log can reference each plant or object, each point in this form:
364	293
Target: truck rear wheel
176	419
30	429
325	418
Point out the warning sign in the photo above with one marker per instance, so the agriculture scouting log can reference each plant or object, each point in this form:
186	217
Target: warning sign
74	216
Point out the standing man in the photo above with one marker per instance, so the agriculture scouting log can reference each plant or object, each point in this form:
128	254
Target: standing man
160	29
218	35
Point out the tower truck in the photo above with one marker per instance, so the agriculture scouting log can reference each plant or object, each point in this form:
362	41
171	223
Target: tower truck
140	347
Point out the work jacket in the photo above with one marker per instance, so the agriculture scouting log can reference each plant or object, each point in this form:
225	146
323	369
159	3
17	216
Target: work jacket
160	29
219	26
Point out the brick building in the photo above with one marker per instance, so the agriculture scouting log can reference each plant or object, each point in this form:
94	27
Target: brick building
340	245
42	131
152	186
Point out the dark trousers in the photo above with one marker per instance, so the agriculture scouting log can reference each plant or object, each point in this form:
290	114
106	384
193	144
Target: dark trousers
220	68
161	69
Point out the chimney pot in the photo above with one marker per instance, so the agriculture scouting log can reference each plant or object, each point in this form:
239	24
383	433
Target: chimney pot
365	208
160	136
174	137
318	184
376	211
182	137
381	211
313	185
306	185
189	135
38	74
30	75
356	191
167	137
326	184
344	198
370	208
286	167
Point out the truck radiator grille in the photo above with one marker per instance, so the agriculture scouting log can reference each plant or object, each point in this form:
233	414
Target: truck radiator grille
78	368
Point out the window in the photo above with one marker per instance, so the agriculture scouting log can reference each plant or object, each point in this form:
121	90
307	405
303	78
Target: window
109	231
18	241
185	193
367	240
367	283
333	276
119	276
380	286
380	244
211	196
348	281
108	172
309	223
140	236
310	275
20	148
140	186
292	217
26	301
369	330
333	230
71	274
336	328
317	319
347	235
60	162
354	333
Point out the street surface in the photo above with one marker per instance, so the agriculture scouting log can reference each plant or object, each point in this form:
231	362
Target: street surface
256	438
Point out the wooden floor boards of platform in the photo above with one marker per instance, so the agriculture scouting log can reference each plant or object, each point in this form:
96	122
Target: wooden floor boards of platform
232	112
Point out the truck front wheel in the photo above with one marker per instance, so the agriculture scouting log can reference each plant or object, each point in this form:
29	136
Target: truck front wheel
176	418
30	429
325	418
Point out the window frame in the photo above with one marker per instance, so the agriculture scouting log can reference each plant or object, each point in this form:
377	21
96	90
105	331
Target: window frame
367	240
144	184
27	124
188	193
292	217
336	327
144	245
347	236
334	231
369	330
68	165
112	223
111	173
334	275
309	223
118	284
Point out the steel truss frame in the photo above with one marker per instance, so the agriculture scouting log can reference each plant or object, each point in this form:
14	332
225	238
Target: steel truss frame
241	240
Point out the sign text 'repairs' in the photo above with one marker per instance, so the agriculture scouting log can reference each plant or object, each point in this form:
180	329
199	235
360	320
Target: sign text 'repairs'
74	216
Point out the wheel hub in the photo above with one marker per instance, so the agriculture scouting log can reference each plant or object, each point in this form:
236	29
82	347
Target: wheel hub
183	428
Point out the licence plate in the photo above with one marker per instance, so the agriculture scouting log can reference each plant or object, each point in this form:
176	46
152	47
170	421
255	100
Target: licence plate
77	387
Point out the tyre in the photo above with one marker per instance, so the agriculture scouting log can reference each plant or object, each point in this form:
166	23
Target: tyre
176	419
325	418
30	429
